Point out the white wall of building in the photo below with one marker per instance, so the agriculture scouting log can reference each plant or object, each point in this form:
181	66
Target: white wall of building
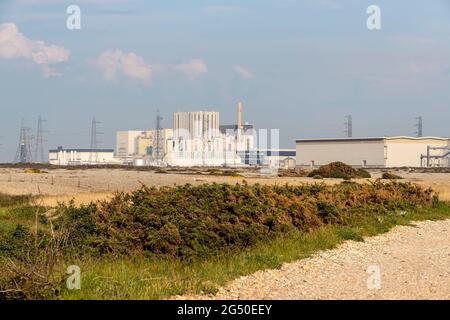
195	125
126	142
64	157
200	152
355	152
406	152
280	158
369	152
198	141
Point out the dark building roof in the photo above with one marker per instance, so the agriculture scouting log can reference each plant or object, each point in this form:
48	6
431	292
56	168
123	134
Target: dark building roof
339	140
362	139
281	153
233	127
270	152
81	150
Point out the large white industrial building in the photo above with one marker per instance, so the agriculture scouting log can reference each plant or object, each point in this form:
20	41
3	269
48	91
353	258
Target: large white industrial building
67	157
137	146
387	152
126	142
196	125
198	139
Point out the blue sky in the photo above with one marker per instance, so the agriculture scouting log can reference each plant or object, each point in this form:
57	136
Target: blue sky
299	66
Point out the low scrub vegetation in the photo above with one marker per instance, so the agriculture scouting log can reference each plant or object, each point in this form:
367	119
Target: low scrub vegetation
339	170
390	176
292	173
34	170
200	221
191	238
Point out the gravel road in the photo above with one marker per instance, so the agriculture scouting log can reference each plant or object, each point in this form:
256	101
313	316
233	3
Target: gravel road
414	263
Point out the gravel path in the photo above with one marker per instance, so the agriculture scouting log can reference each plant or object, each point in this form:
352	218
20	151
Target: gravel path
414	263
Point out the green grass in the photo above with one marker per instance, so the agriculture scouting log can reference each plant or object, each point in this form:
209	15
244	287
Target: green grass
19	215
15	210
145	278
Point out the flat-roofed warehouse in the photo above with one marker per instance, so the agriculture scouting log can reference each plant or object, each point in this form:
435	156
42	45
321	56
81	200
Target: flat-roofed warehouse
379	152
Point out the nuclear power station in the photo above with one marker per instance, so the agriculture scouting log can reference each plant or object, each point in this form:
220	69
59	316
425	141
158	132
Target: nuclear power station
197	138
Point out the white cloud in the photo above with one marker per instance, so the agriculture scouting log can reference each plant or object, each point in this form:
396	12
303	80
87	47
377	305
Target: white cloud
114	63
242	72
14	45
49	72
193	68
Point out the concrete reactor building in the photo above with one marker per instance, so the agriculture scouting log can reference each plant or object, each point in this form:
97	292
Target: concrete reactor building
138	147
200	140
381	152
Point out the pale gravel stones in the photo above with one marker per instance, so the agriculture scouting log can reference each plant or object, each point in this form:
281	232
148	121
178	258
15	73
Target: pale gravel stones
414	264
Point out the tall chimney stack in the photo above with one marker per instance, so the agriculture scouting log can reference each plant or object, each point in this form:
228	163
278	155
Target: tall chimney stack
239	112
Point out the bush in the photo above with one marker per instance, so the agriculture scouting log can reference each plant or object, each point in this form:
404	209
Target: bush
14	242
390	176
200	221
339	170
34	170
292	173
77	227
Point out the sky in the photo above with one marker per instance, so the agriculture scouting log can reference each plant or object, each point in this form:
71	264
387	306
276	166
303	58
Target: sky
297	66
